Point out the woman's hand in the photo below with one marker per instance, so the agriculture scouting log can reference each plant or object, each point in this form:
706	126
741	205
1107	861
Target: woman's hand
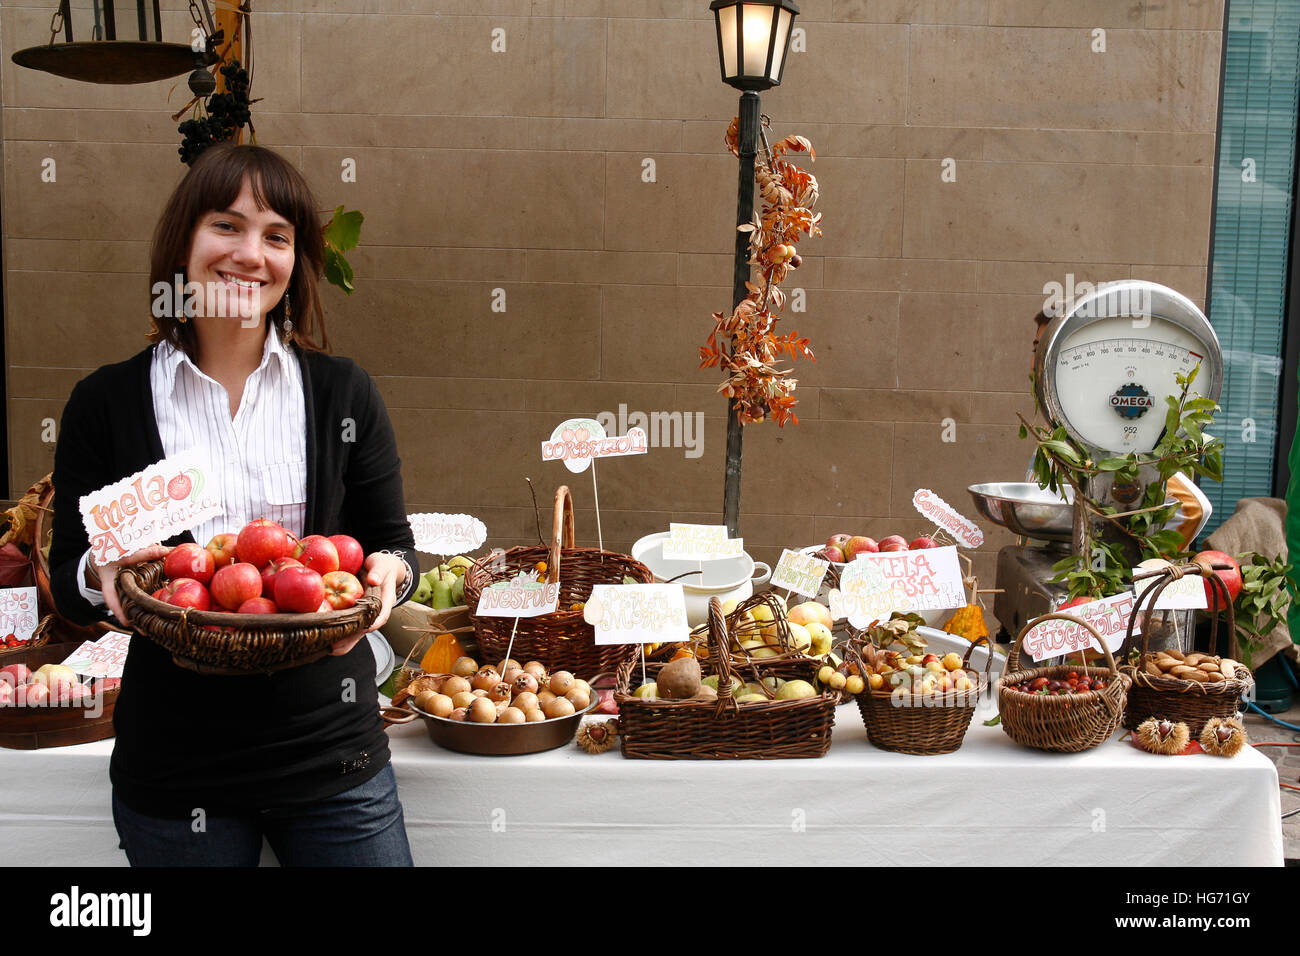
386	572
108	576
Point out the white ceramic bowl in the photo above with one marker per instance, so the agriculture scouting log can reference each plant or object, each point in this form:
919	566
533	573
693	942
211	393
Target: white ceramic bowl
729	579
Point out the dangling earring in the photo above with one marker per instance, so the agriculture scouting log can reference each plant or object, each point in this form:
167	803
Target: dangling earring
288	325
180	297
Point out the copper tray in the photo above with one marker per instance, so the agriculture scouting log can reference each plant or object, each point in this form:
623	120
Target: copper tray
494	740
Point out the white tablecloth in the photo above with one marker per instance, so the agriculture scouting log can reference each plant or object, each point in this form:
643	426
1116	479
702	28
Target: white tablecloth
991	802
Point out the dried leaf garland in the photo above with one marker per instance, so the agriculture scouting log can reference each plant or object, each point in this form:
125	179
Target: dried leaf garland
743	343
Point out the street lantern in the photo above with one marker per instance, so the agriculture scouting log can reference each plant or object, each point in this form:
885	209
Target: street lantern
753	43
753	40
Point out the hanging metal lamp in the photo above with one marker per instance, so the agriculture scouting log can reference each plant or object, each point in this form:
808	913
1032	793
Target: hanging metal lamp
106	59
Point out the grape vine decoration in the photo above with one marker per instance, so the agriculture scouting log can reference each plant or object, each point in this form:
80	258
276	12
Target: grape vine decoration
224	115
759	389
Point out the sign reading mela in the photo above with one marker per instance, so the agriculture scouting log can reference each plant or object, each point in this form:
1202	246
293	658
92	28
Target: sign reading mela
872	586
168	497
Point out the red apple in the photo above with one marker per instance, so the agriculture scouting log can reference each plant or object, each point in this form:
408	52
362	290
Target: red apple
342	590
351	557
6	694
235	584
923	542
258	605
186	592
275	567
262	541
831	554
32	695
318	553
298	590
838	541
188	560
222	549
15	674
895	542
1230	577
859	545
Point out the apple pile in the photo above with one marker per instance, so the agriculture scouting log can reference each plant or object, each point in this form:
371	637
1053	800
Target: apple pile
264	570
842	548
52	685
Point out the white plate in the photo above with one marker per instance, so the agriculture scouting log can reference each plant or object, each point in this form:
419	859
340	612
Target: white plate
385	659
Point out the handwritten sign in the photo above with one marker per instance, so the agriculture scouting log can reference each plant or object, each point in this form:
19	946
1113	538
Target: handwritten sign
799	572
873	586
1187	593
947	517
637	613
701	542
149	507
579	440
1108	615
18	613
102	658
446	534
518	598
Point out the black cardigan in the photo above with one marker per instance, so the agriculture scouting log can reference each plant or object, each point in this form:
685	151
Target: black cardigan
185	740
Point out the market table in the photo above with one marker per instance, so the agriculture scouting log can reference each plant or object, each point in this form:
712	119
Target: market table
991	802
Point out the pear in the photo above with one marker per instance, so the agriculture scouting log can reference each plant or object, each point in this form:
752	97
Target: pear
423	592
441	596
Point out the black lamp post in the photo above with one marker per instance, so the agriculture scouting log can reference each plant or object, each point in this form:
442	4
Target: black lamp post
753	44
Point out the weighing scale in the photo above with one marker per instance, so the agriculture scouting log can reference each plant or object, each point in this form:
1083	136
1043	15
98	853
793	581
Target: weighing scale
1102	369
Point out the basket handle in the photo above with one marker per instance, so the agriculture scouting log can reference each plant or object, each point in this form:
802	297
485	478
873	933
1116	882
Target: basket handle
988	665
1013	659
1168	576
406	718
720	654
41	636
561	531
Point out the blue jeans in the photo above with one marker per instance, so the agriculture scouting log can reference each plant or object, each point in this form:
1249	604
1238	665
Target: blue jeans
359	827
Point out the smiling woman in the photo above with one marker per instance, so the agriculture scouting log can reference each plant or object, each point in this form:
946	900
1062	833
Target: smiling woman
239	376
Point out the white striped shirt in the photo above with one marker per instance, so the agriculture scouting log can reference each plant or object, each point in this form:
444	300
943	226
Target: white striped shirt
258	458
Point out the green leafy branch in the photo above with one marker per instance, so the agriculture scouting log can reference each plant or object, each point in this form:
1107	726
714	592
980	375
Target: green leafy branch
1060	462
342	233
1266	592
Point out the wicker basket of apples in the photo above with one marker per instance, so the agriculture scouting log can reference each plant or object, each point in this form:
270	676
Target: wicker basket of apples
258	601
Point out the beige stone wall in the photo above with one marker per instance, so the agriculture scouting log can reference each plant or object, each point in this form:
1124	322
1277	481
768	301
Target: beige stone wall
522	171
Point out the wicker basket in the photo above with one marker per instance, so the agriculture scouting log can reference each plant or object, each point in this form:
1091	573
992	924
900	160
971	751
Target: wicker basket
561	640
226	643
722	729
920	724
1172	698
1068	723
36	728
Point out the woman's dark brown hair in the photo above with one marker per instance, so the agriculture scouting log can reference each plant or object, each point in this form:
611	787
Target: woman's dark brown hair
212	184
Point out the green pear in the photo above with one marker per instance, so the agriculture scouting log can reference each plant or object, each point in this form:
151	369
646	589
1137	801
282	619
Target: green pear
441	596
423	592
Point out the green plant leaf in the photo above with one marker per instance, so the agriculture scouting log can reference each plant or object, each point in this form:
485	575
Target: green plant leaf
1111	464
338	271
343	231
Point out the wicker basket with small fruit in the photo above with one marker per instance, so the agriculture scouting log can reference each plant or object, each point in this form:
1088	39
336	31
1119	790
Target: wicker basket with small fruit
1061	708
914	703
682	713
1189	688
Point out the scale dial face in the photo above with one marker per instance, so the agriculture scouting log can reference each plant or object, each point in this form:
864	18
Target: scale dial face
1106	378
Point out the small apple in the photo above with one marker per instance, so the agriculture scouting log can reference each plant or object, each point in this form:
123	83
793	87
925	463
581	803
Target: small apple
33	695
342	590
1230	577
235	584
262	541
833	555
15	674
838	541
318	553
299	590
188	560
810	611
895	542
186	592
222	549
860	545
275	567
923	542
351	556
258	605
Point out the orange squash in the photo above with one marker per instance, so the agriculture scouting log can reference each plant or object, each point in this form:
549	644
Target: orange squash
441	654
